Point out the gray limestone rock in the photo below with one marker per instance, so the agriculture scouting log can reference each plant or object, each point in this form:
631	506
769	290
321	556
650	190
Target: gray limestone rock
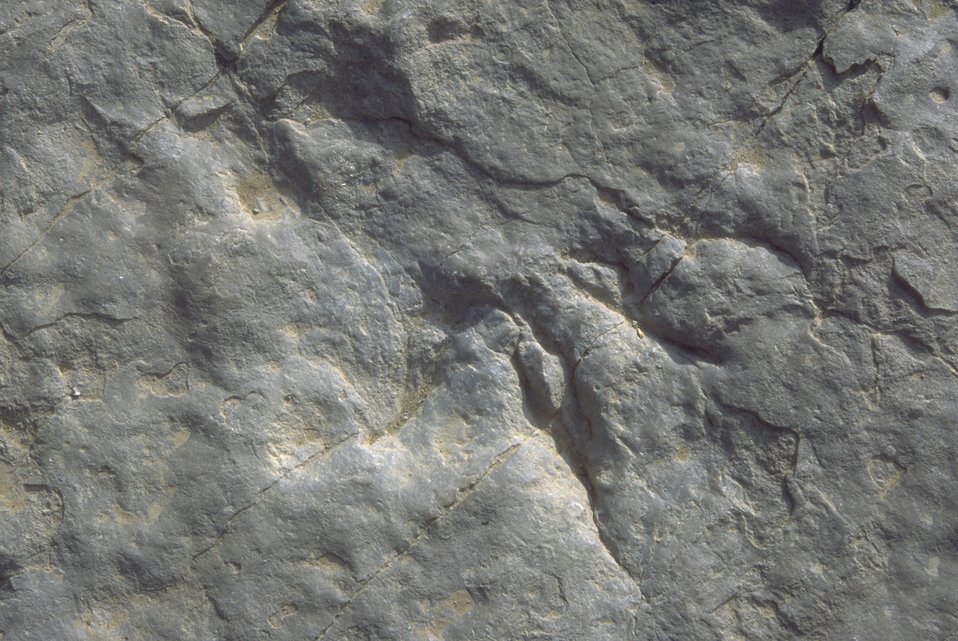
421	319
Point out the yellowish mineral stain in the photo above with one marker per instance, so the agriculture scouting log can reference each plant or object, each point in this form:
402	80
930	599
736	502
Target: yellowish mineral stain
173	383
262	199
754	157
92	160
102	624
938	95
885	473
372	7
11	491
446	612
938	9
329	563
660	75
278	618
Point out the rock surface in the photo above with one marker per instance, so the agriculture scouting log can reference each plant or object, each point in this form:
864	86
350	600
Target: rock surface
435	319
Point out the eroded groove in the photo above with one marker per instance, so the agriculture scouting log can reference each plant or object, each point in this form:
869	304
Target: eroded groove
463	495
170	113
269	16
582	471
566	444
259	494
109	320
802	72
63	211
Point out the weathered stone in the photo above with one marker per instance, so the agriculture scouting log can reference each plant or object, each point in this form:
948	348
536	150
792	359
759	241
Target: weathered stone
454	320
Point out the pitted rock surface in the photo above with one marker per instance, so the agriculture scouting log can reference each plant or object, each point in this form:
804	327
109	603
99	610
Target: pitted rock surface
422	319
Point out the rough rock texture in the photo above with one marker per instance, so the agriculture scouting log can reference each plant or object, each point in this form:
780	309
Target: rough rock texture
500	319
